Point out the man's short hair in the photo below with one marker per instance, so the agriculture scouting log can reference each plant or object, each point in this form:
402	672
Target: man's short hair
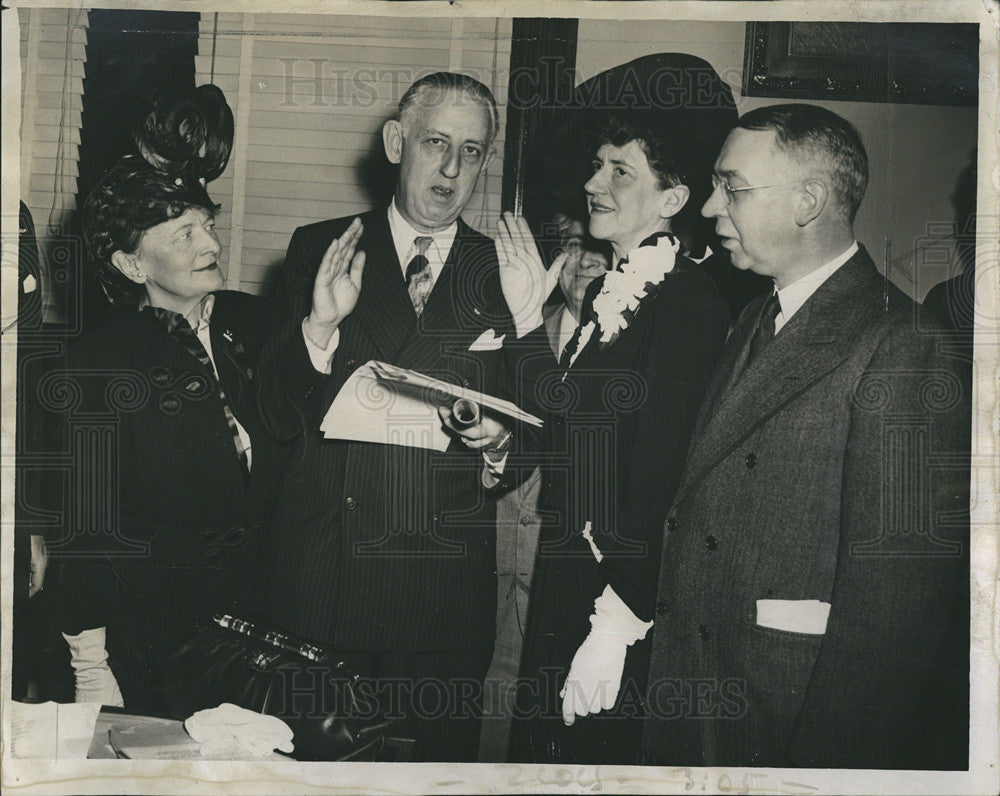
809	132
431	90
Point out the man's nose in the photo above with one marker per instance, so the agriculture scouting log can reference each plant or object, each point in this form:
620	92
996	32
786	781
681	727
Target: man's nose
451	164
715	206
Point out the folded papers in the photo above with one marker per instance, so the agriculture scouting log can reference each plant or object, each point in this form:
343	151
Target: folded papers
389	405
52	731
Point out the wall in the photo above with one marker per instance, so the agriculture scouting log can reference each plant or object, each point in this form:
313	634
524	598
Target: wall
916	151
53	52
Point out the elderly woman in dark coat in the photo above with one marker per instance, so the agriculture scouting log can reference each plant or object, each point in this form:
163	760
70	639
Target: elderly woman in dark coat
172	469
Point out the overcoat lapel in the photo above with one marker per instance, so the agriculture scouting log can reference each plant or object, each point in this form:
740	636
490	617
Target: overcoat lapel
816	340
384	306
232	360
732	361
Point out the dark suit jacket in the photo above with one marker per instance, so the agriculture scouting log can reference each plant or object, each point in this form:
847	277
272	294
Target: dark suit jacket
161	527
831	470
379	547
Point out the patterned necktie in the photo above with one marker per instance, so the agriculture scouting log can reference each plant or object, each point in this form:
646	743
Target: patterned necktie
765	330
419	280
178	327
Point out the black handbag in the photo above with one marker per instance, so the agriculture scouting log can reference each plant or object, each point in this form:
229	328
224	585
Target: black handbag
331	710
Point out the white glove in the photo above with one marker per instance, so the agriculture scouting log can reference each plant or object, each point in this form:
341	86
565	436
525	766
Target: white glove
595	676
95	682
229	732
39	563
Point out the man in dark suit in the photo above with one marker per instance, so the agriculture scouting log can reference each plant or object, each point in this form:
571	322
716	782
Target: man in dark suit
813	585
387	553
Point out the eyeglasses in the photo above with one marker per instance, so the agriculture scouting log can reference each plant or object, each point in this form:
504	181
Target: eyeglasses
728	193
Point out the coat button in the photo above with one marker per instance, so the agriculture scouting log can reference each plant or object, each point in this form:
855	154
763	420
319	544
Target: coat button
711	542
661	607
350	503
435	519
751	460
350	362
160	377
170	404
671	524
703	632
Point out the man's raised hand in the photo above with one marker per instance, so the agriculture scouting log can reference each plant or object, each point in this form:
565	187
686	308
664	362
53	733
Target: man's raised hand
337	285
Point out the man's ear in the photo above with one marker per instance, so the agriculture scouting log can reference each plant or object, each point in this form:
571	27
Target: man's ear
812	199
673	199
392	140
128	264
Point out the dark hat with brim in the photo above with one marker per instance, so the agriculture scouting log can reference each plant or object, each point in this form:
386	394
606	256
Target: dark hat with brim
679	96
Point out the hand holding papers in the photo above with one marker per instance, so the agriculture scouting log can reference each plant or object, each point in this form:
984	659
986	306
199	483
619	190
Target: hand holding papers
389	405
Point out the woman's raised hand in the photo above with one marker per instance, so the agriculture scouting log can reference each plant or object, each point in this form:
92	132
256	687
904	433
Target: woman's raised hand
525	280
337	285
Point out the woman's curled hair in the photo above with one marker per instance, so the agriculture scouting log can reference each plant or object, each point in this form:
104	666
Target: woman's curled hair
184	138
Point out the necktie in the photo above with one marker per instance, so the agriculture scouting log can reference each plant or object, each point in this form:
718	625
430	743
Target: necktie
765	330
178	328
419	280
566	357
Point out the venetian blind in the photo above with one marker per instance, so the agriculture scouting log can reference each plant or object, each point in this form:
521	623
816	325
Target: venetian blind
310	94
53	53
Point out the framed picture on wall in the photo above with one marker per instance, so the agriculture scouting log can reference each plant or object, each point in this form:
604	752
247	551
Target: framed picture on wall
916	63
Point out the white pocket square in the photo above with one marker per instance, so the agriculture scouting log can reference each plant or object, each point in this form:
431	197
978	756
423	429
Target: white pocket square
795	616
488	341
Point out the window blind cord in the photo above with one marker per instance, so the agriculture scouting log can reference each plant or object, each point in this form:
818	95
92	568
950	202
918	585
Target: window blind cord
60	193
493	88
215	36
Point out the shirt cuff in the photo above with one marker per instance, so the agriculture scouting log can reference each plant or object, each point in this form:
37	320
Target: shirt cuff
493	470
321	358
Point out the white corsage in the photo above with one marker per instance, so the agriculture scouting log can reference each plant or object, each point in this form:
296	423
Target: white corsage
623	289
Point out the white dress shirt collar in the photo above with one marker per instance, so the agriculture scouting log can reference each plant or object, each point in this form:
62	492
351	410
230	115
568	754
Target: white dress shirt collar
567	326
793	296
403	235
